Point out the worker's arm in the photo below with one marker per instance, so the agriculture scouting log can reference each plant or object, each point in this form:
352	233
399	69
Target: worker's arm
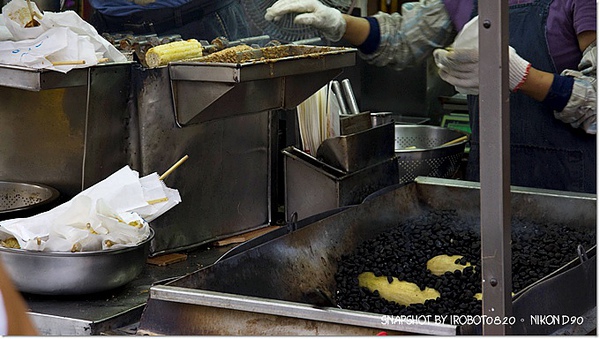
572	94
398	40
15	309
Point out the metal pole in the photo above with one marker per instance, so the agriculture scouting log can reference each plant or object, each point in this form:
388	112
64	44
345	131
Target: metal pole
494	126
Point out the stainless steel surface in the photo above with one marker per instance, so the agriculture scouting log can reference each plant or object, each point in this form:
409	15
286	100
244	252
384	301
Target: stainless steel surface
19	196
349	96
356	151
419	151
214	313
287	273
66	273
337	90
312	186
230	89
36	80
75	128
224	185
354	123
381	118
106	312
494	127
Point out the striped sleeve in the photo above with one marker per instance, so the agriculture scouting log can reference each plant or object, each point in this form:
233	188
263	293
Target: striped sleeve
408	37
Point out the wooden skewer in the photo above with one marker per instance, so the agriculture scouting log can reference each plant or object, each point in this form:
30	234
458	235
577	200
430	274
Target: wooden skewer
71	62
181	161
455	141
451	142
101	60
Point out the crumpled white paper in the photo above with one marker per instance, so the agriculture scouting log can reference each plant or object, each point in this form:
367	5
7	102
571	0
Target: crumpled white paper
113	214
65	37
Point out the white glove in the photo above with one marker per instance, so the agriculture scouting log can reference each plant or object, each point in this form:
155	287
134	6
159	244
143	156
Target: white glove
460	68
327	20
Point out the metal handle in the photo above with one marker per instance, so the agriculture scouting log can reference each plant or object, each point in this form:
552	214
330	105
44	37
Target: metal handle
337	90
350	96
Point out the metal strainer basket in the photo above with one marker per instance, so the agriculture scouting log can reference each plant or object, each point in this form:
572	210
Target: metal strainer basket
419	151
18	197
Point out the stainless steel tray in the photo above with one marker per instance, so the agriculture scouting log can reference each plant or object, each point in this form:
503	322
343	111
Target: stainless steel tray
39	79
255	85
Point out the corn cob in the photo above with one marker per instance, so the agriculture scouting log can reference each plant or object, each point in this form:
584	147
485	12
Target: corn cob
173	51
228	55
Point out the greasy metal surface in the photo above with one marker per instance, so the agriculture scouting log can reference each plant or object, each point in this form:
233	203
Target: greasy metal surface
98	313
311	186
66	273
35	80
216	313
353	152
76	135
579	279
300	266
225	183
230	89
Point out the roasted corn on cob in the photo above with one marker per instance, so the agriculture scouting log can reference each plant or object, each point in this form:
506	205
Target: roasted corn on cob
173	51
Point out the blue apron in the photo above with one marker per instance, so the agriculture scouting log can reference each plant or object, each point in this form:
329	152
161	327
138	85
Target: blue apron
545	152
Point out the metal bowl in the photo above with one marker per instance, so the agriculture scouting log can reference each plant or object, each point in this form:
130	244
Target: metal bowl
16	197
419	151
66	273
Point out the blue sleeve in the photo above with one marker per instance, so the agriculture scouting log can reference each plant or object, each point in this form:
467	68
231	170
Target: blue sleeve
559	93
372	42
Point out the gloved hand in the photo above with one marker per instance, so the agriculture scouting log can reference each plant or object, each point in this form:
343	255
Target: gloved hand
327	20
460	68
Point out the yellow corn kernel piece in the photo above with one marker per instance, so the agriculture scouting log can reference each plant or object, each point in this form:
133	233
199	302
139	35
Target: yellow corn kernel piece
10	243
441	264
401	292
173	51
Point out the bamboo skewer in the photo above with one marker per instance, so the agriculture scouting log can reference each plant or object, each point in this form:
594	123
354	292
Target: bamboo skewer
170	170
32	22
451	142
69	62
455	141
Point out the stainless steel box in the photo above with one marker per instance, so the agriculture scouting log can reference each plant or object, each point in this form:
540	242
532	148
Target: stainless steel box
312	186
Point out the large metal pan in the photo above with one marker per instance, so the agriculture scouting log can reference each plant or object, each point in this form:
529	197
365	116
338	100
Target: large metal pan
20	199
66	273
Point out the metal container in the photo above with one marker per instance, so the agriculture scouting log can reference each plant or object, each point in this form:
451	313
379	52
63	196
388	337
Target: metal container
359	150
312	186
18	198
420	151
73	124
285	285
381	118
66	273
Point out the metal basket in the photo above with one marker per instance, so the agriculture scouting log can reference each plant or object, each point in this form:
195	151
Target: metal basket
19	197
420	152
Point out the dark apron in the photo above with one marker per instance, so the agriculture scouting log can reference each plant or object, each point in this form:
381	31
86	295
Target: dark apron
545	152
198	19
